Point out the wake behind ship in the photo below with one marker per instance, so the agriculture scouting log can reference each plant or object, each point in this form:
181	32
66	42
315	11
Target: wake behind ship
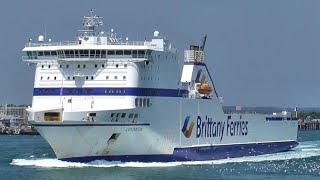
102	97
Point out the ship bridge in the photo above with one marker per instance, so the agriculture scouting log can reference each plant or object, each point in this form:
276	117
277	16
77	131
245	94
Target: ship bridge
94	46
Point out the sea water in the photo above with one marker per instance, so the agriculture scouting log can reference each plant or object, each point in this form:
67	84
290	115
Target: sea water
30	157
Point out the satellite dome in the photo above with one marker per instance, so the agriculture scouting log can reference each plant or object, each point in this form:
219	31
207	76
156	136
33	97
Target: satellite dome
156	34
40	38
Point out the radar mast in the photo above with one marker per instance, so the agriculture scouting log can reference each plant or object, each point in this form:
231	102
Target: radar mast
92	21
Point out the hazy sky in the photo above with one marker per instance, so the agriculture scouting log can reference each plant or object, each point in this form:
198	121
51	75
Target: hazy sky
261	53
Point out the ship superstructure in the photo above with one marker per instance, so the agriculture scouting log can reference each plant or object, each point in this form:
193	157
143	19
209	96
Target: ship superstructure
104	97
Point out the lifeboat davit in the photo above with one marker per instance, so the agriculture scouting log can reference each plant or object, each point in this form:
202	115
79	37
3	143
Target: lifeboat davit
204	89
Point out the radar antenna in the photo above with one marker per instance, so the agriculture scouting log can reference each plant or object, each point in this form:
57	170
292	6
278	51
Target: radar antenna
92	21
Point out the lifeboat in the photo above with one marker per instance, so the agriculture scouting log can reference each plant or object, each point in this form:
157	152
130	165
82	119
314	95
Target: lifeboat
204	89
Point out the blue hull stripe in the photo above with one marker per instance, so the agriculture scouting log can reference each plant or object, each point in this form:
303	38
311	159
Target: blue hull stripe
199	153
110	92
68	125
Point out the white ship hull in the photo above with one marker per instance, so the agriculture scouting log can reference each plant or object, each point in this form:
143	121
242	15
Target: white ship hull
158	136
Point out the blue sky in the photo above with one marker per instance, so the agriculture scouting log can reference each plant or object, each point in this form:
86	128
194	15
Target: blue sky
261	53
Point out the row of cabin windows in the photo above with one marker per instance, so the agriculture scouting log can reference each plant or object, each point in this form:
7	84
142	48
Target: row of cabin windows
87	78
84	66
89	53
150	78
142	102
123	115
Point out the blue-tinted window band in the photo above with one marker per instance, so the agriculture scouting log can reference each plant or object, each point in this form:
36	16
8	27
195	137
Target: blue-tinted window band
115	91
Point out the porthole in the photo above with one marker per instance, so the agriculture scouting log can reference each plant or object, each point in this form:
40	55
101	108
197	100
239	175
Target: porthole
102	65
67	66
125	65
68	77
49	66
107	77
115	77
124	77
91	77
42	66
117	65
78	65
48	78
95	65
73	78
87	77
60	66
55	78
41	78
84	66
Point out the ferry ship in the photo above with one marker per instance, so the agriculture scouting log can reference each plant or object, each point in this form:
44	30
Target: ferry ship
102	97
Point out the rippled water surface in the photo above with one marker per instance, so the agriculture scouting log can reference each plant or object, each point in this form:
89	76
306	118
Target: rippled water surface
30	157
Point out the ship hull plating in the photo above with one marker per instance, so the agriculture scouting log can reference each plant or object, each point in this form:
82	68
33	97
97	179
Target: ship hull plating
161	137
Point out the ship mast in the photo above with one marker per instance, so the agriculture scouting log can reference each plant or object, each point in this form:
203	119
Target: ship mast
92	21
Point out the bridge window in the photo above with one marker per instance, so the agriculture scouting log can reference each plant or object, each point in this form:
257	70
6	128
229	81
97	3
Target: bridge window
134	53
111	52
86	52
40	53
76	53
130	115
98	52
119	52
123	115
92	53
127	52
103	54
47	53
136	116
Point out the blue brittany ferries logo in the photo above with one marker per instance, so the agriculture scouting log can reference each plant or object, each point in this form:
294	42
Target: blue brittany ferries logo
208	128
187	131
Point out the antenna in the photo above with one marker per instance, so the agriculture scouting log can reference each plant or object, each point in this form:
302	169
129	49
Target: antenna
203	43
92	21
45	32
